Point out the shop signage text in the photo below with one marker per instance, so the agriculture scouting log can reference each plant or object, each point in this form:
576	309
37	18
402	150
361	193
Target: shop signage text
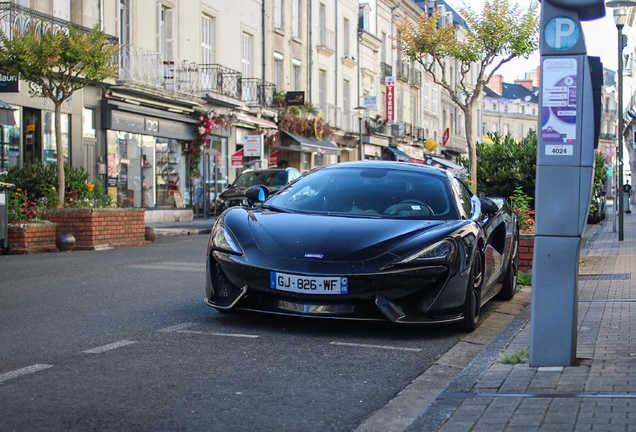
9	83
390	88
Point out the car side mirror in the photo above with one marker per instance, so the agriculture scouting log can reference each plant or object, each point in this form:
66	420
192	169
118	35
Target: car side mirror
488	206
256	194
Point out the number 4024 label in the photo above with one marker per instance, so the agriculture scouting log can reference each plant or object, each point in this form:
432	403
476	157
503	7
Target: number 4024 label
559	150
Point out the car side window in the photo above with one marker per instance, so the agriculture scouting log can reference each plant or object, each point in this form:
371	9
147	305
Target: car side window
464	196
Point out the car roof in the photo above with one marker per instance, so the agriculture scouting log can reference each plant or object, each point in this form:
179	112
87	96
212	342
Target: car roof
408	166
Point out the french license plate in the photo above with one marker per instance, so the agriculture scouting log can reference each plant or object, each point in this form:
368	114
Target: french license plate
309	284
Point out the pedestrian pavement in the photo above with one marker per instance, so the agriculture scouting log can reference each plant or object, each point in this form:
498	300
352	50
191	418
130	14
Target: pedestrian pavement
597	394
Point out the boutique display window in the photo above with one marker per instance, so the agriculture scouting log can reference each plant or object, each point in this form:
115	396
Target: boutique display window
50	148
10	145
145	171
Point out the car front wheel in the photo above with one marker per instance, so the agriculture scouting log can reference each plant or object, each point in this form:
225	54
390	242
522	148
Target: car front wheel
472	305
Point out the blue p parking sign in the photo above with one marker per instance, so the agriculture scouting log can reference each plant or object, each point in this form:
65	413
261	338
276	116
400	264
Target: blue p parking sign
561	33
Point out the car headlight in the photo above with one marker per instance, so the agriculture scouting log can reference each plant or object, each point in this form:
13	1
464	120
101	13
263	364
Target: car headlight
441	251
223	239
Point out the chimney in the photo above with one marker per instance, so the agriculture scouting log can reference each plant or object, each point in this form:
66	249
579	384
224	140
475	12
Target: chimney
527	83
496	84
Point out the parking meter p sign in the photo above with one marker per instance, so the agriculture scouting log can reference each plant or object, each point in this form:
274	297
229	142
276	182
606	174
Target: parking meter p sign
561	33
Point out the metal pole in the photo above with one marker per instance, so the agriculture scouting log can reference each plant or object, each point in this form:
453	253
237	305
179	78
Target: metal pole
619	184
360	151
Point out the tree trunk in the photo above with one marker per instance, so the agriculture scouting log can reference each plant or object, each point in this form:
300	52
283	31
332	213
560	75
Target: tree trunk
61	186
472	148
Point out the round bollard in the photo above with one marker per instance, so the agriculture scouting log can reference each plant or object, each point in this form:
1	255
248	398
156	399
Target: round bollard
65	242
151	235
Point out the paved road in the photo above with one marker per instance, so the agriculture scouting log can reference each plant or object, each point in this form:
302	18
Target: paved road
120	339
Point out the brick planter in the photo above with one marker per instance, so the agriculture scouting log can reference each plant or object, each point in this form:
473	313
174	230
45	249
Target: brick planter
32	237
101	228
526	251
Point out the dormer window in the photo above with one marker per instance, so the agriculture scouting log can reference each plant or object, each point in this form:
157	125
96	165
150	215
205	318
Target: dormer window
364	14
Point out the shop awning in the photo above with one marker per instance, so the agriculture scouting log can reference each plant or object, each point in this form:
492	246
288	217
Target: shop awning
448	164
311	144
6	114
255	121
399	154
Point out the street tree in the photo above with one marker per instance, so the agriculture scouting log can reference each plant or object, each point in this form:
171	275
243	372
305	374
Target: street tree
500	33
56	64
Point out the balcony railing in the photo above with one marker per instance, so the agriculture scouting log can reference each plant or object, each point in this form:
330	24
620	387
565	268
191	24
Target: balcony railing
385	70
607	136
257	92
220	80
351	122
403	70
144	67
14	17
415	77
327	39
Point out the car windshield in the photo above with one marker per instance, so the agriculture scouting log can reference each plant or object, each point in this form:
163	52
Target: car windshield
370	192
263	177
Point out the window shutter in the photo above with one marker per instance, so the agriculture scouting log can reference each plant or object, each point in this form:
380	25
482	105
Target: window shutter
295	19
169	34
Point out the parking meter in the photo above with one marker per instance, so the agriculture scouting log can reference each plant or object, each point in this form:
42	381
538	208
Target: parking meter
569	122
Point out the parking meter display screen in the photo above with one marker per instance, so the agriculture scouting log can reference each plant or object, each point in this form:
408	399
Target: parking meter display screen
558	119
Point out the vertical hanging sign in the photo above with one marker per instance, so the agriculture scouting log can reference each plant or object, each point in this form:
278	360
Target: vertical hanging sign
390	98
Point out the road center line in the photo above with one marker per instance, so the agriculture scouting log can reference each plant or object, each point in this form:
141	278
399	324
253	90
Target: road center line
108	347
24	371
386	347
175	327
220	334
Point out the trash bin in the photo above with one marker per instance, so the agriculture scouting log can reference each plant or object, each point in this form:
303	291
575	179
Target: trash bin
5	247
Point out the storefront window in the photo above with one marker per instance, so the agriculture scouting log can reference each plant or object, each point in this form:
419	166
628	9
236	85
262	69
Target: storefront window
50	148
145	171
10	144
217	160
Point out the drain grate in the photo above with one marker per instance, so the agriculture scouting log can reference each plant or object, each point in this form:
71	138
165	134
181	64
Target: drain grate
617	276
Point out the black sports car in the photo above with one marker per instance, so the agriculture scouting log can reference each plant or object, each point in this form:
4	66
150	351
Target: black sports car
376	240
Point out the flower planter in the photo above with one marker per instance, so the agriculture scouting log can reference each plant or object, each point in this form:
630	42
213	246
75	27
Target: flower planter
526	251
100	228
32	237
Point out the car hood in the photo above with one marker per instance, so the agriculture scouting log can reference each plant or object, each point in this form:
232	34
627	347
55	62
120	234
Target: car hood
336	238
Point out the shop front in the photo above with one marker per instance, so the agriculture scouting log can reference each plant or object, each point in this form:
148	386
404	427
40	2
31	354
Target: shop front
304	153
146	164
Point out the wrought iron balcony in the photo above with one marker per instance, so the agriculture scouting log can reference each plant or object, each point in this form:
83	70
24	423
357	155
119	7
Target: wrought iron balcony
257	92
351	122
376	126
385	70
415	77
220	80
16	18
146	68
327	39
403	70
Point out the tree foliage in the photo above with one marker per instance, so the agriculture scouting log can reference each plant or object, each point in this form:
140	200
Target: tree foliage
56	64
505	164
500	33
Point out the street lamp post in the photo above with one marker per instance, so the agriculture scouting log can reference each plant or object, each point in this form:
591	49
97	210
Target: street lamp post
360	109
620	16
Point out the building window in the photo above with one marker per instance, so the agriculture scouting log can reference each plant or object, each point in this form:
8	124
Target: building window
296	74
249	93
124	23
208	31
484	128
522	109
278	14
346	33
363	17
278	71
322	89
494	107
520	131
166	32
296	19
434	101
88	123
493	129
506	129
426	89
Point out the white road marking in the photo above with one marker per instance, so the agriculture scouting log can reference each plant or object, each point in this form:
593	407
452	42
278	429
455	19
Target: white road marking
386	347
24	371
108	347
176	327
238	335
170	266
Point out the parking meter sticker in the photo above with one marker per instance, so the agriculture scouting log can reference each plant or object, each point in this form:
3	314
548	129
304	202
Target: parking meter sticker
559	98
